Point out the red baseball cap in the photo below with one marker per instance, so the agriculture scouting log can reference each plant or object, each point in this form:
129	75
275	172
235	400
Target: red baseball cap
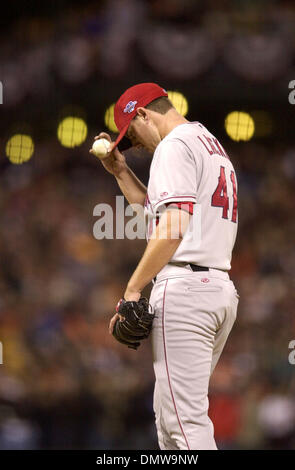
133	98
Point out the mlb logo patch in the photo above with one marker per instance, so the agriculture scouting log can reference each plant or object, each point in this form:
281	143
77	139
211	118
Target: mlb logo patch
130	106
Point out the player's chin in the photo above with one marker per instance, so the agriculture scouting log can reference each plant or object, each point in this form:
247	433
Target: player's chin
139	148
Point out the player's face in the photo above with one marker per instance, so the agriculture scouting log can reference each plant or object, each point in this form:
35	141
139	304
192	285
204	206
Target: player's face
143	134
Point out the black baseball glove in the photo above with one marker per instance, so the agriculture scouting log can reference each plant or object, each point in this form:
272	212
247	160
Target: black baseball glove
137	322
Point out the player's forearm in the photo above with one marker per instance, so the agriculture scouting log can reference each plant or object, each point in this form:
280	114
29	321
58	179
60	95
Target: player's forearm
158	253
132	188
160	249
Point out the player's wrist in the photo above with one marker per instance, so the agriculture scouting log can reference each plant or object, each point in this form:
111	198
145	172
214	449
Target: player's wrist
121	174
132	293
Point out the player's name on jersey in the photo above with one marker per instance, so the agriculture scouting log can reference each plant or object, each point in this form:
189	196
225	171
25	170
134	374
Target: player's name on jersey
213	146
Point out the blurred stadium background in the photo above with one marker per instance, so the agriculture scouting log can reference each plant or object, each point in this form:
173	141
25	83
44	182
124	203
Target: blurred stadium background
64	382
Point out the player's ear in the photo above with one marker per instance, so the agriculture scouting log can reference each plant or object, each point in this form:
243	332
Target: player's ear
141	113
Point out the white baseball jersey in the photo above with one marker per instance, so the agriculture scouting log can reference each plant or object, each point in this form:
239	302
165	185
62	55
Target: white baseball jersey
190	166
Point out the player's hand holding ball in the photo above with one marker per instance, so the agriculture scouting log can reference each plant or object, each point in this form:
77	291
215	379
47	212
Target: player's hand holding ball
100	148
113	160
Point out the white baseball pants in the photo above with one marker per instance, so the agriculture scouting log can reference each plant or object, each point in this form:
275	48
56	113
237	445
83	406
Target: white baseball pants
195	312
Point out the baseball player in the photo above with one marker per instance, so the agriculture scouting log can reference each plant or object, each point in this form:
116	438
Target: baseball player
194	301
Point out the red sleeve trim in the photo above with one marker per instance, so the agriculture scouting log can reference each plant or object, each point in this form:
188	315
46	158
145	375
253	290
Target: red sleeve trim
170	197
185	206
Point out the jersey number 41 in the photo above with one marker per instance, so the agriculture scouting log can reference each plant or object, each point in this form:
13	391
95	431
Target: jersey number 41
220	197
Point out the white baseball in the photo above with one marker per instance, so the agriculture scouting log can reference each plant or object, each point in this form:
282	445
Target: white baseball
100	147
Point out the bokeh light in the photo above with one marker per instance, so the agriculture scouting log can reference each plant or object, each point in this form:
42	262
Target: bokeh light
239	126
72	131
179	102
19	148
109	119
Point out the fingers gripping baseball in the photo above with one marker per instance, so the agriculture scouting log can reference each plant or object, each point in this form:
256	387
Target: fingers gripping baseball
112	159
